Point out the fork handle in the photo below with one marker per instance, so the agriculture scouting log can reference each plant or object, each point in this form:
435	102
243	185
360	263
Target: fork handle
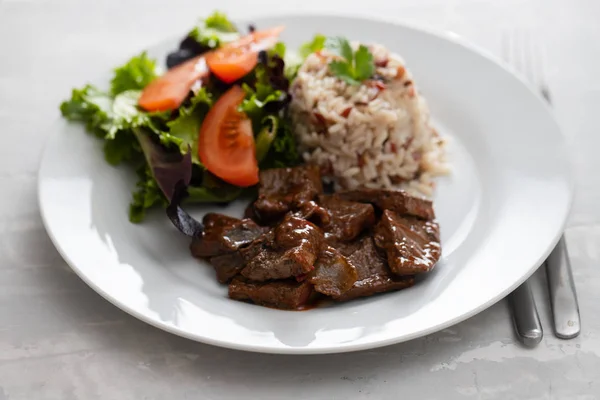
525	315
565	309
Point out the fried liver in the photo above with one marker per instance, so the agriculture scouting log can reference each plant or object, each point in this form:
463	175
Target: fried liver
333	275
347	219
283	294
223	234
289	250
398	201
227	266
373	274
286	189
412	245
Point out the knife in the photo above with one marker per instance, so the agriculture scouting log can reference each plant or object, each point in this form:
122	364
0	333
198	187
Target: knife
563	298
525	315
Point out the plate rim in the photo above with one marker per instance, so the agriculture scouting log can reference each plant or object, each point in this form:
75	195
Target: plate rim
446	35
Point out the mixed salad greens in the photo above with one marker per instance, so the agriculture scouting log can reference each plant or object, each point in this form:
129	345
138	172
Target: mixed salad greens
201	131
150	136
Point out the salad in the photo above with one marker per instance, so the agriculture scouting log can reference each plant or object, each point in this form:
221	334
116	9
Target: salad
201	130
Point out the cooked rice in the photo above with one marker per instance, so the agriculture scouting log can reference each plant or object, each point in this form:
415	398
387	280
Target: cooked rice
365	135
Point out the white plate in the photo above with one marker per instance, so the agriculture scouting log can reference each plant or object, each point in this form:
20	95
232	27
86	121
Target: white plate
500	212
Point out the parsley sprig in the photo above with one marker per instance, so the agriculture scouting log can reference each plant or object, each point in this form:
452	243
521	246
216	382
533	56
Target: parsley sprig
354	66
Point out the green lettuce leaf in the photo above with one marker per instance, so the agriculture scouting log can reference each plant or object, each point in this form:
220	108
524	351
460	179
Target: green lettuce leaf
283	151
136	74
123	148
255	101
202	194
278	50
316	44
294	59
103	114
257	98
214	31
108	118
186	126
124	114
147	195
88	105
219	20
275	142
265	137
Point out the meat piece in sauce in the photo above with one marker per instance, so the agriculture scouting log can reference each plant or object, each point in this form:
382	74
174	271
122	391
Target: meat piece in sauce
286	189
348	248
373	274
412	245
347	219
313	212
284	294
394	200
223	234
227	266
319	243
333	274
249	212
289	250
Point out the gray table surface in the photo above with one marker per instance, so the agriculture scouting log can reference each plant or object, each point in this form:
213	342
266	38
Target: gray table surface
60	340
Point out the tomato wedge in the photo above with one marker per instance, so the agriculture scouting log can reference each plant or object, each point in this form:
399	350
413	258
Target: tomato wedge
230	63
235	60
171	89
226	142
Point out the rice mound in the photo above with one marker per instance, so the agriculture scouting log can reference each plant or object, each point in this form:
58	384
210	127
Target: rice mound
375	135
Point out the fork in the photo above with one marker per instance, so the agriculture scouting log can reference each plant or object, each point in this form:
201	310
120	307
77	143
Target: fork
520	51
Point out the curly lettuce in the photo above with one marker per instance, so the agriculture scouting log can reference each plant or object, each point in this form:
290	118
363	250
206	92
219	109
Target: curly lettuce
136	74
186	126
163	147
147	195
113	116
214	31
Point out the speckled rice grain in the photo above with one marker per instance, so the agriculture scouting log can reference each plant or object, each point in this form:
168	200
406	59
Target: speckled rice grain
385	141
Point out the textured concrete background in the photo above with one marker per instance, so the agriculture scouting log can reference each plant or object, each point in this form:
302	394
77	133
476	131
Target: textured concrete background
60	340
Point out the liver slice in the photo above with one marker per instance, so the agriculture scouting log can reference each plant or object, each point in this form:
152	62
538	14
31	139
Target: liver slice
227	266
373	273
286	189
334	275
285	294
398	201
223	234
412	245
290	250
347	219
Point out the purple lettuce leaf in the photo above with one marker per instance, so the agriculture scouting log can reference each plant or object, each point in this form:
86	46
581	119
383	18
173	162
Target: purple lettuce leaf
173	173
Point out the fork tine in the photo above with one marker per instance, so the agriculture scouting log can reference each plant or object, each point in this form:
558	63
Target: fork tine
539	53
528	59
518	52
514	51
506	48
519	55
521	52
509	54
537	56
